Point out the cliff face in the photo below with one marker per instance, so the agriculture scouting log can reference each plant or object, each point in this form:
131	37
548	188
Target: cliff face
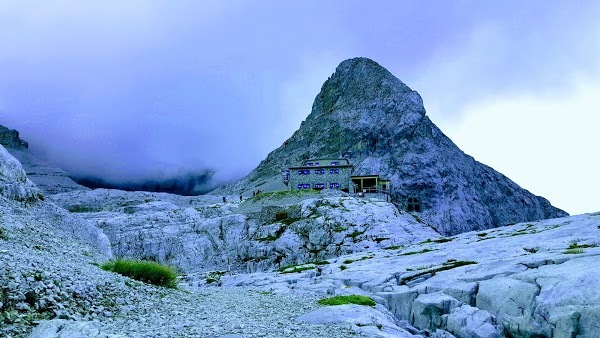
49	179
365	113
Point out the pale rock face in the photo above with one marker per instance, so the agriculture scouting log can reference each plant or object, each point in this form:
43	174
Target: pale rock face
13	180
380	123
195	233
517	281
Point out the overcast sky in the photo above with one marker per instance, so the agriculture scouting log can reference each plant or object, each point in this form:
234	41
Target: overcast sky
125	89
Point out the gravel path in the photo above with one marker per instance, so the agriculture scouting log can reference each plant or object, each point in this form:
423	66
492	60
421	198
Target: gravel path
217	312
46	273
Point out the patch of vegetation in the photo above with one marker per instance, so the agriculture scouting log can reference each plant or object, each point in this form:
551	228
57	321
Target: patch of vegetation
380	239
355	234
289	221
145	271
349	261
215	277
343	267
282	194
284	217
319	262
482	234
40	197
520	233
576	248
3	234
439	240
281	215
449	264
416	252
77	208
350	299
575	245
443	240
274	237
292	268
574	251
394	247
532	250
339	229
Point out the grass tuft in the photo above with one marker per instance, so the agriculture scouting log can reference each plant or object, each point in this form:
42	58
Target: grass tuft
449	264
351	299
416	252
574	251
145	271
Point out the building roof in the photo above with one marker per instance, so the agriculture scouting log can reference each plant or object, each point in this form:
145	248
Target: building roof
324	163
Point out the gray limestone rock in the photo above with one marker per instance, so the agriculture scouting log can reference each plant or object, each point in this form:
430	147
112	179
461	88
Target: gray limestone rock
61	328
14	183
379	123
469	322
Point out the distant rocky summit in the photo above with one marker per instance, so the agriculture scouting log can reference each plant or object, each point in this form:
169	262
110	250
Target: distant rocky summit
369	116
49	179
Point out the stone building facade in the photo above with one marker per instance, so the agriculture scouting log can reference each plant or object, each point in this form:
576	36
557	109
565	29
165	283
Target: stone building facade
318	174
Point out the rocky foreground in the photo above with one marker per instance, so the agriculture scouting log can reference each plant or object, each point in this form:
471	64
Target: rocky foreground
534	279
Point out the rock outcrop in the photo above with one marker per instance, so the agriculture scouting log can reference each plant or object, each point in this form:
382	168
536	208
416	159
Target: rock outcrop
538	279
48	179
265	232
365	113
14	183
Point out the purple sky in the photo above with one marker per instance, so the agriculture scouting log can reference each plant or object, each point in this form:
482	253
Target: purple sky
125	89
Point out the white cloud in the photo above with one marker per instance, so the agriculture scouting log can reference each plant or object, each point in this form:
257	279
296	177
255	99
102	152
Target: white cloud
547	144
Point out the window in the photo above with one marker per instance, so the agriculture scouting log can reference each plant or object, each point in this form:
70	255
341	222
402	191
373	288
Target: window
309	164
306	172
319	171
334	171
319	186
413	205
335	163
300	186
316	164
334	185
306	186
300	172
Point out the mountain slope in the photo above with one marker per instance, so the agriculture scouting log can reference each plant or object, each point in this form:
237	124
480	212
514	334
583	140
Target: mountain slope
367	114
49	179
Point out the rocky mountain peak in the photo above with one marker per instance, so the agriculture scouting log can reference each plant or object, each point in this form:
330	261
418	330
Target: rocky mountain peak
359	86
369	116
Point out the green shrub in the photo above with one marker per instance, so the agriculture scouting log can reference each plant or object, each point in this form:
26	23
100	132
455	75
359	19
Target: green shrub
343	267
145	271
281	215
351	299
3	234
